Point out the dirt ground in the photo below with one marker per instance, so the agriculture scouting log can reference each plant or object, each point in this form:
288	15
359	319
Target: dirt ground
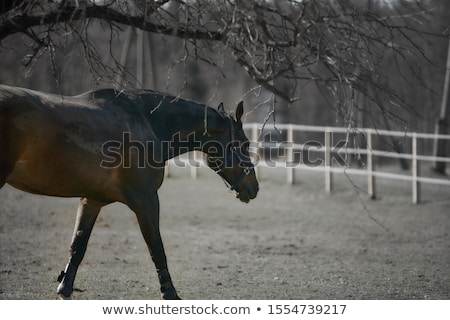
291	242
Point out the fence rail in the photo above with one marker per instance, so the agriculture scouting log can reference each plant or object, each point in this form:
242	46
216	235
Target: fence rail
290	147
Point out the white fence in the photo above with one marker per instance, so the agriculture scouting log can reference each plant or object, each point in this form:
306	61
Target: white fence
290	148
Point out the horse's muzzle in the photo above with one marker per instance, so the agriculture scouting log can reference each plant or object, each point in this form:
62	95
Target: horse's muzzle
247	192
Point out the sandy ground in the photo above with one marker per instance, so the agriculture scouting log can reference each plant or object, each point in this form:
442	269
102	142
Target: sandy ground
292	242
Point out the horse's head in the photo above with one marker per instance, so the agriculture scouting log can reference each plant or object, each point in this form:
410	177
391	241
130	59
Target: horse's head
229	156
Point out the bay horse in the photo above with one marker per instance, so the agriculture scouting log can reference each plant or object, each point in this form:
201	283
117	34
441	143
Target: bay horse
108	146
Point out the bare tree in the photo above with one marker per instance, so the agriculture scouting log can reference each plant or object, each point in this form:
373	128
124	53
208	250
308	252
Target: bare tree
339	45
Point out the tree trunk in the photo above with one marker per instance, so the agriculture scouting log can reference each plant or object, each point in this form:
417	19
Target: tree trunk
442	123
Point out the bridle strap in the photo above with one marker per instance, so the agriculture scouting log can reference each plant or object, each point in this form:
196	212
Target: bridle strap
245	170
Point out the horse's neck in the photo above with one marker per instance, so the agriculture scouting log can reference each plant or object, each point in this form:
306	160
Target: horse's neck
185	126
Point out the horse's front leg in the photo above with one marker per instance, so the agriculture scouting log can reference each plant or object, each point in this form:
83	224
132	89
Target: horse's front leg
87	214
148	217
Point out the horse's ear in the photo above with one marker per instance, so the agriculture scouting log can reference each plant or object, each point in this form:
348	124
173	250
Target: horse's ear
221	107
239	111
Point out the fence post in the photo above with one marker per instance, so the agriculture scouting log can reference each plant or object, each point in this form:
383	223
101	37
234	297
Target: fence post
328	174
167	170
290	175
370	168
255	137
194	164
415	171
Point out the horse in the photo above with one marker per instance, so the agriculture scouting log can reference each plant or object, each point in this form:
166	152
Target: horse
107	146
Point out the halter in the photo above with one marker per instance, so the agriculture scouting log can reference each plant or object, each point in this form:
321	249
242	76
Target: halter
246	169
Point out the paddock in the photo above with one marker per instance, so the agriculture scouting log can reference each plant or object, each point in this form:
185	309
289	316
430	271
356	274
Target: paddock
291	242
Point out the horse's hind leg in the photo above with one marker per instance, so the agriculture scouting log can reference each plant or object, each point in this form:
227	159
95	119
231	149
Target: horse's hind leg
4	168
4	172
148	217
7	152
87	214
3	175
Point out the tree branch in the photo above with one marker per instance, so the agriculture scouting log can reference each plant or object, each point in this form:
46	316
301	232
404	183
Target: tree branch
21	22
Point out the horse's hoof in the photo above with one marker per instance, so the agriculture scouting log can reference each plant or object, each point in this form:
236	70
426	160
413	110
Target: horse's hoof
65	293
170	294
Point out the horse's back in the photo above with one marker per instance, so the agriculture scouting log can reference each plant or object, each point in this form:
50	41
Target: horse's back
53	144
